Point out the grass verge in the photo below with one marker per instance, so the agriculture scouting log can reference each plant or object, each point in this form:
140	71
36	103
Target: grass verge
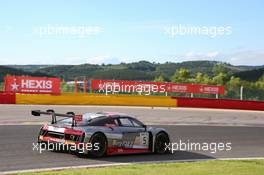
214	167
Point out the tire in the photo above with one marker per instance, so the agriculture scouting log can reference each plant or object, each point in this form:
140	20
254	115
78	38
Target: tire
100	140
161	141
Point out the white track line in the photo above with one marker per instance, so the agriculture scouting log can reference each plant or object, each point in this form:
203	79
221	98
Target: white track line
154	124
122	164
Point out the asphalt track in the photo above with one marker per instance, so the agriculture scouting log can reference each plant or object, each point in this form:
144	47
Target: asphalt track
16	139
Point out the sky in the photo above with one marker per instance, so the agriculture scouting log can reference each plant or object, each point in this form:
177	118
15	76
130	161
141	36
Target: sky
114	31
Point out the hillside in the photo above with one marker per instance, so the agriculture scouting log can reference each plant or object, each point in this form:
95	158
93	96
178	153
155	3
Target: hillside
29	68
4	70
250	75
141	70
70	72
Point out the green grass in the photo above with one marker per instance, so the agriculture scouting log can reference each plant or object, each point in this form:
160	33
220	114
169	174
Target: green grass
214	167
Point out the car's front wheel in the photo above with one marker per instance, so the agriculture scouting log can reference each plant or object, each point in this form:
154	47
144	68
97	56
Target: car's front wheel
161	142
99	145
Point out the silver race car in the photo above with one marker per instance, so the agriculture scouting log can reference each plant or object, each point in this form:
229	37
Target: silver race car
102	133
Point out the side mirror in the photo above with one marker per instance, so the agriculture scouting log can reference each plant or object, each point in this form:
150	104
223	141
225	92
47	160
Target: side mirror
145	126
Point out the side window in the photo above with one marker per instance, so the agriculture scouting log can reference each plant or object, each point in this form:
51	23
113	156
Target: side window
102	121
126	122
109	121
136	123
116	122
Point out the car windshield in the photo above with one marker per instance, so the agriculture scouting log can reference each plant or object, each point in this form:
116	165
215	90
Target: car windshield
82	120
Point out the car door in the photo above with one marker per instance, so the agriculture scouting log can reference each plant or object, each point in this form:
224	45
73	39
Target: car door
134	134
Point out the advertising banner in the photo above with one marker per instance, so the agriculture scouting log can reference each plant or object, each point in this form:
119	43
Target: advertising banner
208	89
116	86
33	85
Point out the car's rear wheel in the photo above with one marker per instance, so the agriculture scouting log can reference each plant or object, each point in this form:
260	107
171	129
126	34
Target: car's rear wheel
162	139
99	145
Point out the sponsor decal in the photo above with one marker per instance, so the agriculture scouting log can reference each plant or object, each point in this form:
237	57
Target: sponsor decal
56	129
78	118
116	150
73	131
123	143
144	138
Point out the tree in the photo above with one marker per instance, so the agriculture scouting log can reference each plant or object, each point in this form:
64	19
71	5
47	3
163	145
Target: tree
201	78
260	82
234	83
220	79
233	87
219	68
159	79
181	76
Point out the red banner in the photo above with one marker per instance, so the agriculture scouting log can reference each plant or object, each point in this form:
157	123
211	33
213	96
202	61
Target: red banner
33	85
208	89
116	86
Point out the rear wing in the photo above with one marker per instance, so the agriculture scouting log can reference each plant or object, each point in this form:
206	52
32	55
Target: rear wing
55	115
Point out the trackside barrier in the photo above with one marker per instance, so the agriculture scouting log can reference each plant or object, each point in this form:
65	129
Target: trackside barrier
219	103
7	98
96	99
128	100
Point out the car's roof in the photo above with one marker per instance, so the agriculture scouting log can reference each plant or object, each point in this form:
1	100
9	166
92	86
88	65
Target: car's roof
115	114
106	114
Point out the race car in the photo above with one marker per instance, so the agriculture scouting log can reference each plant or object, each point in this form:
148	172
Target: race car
101	133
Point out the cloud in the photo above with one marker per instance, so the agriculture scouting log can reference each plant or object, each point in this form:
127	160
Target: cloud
248	57
241	57
106	59
245	57
213	54
193	56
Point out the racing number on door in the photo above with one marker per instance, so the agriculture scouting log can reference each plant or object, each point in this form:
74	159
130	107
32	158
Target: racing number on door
144	138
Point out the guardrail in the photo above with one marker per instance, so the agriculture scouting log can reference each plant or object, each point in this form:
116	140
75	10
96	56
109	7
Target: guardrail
96	99
128	100
7	98
219	103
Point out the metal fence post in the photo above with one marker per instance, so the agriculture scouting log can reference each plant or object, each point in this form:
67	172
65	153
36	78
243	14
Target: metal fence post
241	92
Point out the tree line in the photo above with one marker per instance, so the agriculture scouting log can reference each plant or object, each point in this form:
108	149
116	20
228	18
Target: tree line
251	90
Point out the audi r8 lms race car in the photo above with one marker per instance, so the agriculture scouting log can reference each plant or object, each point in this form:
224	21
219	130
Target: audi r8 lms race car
100	134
